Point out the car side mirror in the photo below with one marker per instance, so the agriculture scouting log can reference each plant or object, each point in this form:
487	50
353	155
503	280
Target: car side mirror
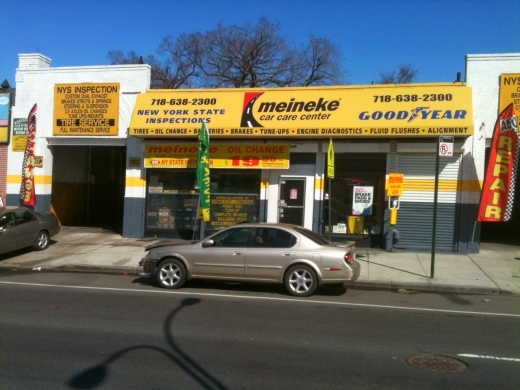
207	243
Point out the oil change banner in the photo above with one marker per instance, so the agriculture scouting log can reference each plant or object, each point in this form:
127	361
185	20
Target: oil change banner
250	156
420	110
496	203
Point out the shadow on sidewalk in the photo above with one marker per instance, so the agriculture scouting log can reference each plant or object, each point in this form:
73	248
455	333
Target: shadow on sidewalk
360	259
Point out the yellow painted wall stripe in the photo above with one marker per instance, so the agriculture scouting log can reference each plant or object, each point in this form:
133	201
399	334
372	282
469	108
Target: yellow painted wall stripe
135	182
429	185
318	183
409	184
444	185
38	179
471	185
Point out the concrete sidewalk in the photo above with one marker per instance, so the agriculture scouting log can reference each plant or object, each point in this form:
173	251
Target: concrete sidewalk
495	270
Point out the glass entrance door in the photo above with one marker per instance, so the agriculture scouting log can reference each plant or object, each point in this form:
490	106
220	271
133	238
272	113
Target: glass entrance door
291	200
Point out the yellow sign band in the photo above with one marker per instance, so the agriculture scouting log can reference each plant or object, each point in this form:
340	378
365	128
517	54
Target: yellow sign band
255	156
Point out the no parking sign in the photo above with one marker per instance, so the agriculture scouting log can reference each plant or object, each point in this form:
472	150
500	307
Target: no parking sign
446	146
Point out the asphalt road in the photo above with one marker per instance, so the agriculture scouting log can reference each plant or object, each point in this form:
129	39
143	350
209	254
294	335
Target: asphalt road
90	331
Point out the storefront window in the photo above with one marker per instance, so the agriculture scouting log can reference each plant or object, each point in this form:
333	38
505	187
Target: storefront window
357	198
173	196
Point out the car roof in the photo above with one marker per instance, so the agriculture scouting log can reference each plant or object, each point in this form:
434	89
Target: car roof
266	224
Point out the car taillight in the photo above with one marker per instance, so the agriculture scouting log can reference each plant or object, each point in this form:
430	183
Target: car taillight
348	258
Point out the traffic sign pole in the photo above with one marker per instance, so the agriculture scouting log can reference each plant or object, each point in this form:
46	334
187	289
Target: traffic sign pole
434	227
444	148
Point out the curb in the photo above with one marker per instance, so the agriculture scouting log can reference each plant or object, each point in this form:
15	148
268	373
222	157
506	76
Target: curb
411	288
94	269
408	288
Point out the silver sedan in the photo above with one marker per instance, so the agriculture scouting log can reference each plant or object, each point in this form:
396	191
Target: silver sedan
21	227
256	252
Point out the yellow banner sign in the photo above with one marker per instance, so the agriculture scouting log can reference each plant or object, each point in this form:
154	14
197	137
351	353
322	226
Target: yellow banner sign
86	109
330	160
228	210
510	92
256	156
4	134
421	110
19	138
5	111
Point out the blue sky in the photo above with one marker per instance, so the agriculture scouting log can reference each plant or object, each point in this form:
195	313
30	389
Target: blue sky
373	35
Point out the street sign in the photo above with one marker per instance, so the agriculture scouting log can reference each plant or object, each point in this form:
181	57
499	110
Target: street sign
395	184
134	162
330	160
446	146
38	161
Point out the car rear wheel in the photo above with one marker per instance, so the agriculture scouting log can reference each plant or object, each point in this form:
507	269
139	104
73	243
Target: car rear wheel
42	241
171	274
301	281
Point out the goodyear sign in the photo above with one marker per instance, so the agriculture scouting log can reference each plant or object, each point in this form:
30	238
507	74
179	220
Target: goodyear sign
86	109
421	110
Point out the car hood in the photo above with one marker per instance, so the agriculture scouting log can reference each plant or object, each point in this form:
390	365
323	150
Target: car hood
345	244
162	243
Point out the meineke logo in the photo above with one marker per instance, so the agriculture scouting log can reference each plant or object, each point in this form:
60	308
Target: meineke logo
248	119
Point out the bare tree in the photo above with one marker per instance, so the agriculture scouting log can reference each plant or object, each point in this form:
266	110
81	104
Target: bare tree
117	57
182	64
240	56
404	74
248	56
320	63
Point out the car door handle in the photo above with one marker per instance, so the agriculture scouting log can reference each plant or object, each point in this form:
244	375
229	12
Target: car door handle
237	253
286	254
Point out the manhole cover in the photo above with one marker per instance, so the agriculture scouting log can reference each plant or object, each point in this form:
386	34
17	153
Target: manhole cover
436	363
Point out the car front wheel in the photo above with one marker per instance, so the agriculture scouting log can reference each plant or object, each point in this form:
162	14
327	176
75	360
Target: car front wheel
171	274
42	241
301	281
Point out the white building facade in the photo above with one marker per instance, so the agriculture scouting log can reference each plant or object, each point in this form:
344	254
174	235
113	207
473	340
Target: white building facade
138	178
81	176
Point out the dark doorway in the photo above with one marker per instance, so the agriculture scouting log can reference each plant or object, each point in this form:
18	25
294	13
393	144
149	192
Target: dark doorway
291	200
88	184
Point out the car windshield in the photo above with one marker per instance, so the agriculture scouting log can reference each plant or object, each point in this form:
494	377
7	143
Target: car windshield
312	236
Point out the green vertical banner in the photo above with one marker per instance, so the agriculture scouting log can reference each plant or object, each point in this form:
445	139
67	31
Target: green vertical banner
203	178
330	160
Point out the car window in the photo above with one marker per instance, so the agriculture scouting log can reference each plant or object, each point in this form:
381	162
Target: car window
22	217
273	238
6	221
261	236
312	236
233	238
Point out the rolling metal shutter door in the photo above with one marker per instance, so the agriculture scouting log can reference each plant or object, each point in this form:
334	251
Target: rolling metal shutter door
415	216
